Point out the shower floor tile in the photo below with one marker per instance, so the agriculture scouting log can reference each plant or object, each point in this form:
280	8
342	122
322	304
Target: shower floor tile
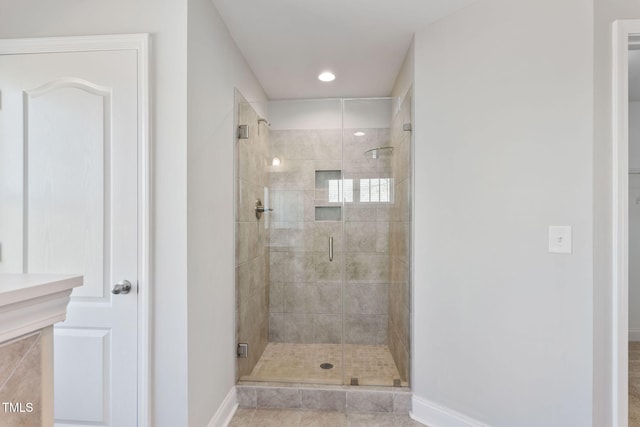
300	363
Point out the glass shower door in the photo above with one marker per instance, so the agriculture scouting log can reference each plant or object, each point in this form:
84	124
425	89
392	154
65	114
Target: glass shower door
302	199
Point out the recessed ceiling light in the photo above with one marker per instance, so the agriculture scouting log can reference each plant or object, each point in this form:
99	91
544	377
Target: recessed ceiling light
327	76
275	161
359	133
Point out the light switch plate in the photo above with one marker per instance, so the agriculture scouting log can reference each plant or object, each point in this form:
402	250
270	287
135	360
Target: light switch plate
560	239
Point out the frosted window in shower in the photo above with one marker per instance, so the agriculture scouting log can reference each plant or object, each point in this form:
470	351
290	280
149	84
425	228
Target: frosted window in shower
364	190
375	190
348	190
335	190
340	190
384	190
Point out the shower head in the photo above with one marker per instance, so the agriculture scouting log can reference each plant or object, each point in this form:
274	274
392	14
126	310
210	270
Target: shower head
375	153
260	119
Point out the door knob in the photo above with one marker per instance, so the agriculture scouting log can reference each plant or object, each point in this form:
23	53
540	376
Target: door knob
122	287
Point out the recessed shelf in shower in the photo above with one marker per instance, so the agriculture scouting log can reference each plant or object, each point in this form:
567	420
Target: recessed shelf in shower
328	191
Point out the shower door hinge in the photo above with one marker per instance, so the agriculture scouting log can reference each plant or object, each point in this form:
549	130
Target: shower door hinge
243	350
243	132
406	127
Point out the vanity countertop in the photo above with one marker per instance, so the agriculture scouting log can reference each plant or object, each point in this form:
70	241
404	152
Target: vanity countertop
32	301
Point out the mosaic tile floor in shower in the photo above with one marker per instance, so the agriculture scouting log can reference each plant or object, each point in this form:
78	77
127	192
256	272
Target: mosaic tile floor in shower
300	363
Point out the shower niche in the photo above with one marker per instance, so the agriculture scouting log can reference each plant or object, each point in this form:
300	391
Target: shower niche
322	279
328	195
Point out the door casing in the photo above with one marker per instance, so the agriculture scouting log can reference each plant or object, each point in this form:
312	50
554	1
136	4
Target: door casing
625	34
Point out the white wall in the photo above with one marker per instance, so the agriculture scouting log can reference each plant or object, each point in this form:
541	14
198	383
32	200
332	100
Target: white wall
166	20
305	114
503	330
215	66
605	12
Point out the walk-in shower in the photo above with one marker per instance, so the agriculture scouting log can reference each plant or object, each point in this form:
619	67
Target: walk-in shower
323	241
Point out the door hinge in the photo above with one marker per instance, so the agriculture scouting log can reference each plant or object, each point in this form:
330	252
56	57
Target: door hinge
243	350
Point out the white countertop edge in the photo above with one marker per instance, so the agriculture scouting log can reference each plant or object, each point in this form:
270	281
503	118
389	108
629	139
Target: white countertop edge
22	287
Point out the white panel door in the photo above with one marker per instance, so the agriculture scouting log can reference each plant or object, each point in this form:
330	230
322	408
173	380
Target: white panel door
68	204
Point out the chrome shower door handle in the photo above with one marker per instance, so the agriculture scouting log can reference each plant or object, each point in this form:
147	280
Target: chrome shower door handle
330	248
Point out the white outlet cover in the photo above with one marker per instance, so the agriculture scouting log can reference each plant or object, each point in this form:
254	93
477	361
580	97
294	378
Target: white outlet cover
560	239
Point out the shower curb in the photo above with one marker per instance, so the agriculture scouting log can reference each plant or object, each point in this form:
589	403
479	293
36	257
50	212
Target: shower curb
361	399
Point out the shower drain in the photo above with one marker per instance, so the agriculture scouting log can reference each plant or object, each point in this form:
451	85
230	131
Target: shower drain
326	366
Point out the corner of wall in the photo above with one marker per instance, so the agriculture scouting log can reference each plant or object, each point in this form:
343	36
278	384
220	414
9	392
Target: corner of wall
405	77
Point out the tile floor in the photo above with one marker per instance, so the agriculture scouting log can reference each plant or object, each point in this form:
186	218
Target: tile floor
634	384
246	417
285	362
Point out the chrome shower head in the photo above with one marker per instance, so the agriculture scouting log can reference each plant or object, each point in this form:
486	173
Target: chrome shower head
374	153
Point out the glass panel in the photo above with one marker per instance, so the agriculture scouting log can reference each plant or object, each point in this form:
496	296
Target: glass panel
252	233
376	301
303	185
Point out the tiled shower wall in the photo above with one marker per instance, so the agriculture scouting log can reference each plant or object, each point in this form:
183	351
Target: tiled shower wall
252	252
306	289
367	238
400	241
306	294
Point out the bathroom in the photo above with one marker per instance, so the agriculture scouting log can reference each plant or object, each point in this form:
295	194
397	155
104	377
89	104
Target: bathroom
504	147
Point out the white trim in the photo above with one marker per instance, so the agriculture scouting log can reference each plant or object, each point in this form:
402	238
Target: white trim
74	44
622	30
435	415
139	43
226	410
634	335
145	325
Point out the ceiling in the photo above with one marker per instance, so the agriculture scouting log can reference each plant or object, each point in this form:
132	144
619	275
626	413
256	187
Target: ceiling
288	43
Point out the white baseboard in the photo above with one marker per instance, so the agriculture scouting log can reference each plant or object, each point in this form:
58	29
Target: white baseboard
225	412
634	334
434	415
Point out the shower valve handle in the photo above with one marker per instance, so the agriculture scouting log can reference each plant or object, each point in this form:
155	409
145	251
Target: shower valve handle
260	209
